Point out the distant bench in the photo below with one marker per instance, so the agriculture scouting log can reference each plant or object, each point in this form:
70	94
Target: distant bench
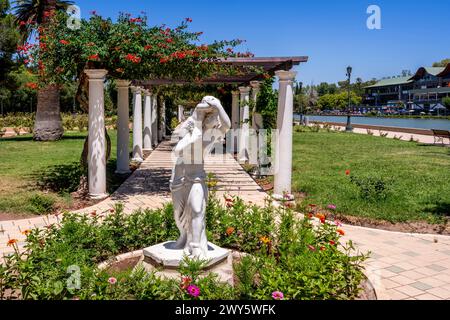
440	135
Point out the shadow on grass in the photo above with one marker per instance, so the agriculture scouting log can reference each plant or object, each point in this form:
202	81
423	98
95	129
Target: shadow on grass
30	138
440	209
65	178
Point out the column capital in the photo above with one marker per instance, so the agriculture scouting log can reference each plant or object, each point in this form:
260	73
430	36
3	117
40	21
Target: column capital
244	90
235	92
255	84
96	74
284	75
136	89
120	83
146	92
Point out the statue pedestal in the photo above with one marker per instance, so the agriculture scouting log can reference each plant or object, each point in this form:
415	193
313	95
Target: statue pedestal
164	255
164	260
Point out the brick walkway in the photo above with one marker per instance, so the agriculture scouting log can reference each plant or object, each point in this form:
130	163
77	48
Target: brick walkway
402	266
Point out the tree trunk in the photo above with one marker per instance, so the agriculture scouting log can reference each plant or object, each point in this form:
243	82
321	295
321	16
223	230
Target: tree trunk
48	122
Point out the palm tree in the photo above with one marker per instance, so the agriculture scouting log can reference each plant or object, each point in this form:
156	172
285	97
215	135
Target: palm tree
48	122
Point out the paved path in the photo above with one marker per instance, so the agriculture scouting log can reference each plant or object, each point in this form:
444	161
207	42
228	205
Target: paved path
402	266
148	187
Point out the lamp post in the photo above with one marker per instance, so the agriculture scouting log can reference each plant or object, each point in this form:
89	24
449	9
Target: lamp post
348	127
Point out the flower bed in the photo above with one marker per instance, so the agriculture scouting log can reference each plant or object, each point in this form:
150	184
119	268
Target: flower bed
289	260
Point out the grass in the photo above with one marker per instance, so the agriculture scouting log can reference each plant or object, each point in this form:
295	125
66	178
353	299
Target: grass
23	161
414	178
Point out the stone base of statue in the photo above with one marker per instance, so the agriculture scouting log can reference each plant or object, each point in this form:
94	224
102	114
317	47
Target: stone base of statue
164	260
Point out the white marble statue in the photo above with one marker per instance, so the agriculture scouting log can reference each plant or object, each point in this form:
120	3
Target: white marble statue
210	122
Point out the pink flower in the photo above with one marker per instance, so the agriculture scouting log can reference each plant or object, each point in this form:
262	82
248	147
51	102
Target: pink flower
112	280
312	248
331	207
278	295
193	291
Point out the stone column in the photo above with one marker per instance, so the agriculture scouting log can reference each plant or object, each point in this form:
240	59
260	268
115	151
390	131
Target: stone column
255	90
137	124
180	113
96	141
283	158
123	130
162	123
245	130
154	106
147	121
235	120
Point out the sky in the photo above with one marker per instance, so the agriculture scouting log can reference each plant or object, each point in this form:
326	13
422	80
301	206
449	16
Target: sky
332	33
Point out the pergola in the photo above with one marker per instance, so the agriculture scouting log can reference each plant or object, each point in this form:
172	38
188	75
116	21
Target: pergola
147	134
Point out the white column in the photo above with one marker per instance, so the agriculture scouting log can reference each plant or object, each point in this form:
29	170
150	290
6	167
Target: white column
245	112
235	119
180	113
255	90
162	123
154	105
283	158
137	124
96	140
123	129
147	121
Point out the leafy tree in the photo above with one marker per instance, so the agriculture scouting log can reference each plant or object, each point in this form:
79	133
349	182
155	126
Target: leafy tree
267	104
442	63
446	102
338	101
8	42
32	14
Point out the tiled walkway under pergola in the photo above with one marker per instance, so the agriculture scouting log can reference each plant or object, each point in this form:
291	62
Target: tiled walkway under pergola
402	266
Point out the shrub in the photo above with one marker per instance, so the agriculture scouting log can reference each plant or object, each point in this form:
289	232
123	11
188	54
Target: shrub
41	204
302	261
371	188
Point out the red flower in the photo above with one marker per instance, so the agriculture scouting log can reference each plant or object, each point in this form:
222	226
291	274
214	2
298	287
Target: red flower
322	248
93	57
31	85
148	47
22	23
340	231
164	60
169	40
332	243
133	58
347	172
63	41
229	231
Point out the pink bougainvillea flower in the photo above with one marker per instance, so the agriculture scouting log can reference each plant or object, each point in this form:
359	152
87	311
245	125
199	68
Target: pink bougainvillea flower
278	295
331	207
193	290
310	247
112	280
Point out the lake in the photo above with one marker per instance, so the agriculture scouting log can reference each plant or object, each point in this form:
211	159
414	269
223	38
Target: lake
391	122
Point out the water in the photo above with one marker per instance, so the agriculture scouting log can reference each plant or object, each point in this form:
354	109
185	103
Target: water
442	124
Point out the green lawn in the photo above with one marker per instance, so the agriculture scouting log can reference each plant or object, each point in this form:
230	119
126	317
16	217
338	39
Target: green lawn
416	176
22	160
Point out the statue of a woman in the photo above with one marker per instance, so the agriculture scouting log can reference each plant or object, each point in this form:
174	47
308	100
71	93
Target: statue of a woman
188	186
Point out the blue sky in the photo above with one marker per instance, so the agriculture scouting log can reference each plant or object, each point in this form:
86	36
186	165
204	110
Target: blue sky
332	33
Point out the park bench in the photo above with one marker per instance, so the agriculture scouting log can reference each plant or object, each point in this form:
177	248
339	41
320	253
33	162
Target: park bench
440	135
